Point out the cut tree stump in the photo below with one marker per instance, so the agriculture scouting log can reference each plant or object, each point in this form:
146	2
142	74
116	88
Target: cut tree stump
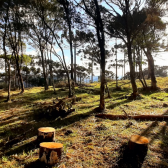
46	134
138	143
50	152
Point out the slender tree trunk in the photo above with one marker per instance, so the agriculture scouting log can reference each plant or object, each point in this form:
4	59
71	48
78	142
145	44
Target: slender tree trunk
4	43
151	68
16	53
116	67
132	71
45	64
63	63
44	71
149	71
19	74
14	78
124	65
51	72
140	76
92	71
75	62
134	59
101	41
5	70
66	9
9	81
129	44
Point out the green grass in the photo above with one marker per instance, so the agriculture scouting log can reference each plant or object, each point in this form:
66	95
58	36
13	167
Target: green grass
94	142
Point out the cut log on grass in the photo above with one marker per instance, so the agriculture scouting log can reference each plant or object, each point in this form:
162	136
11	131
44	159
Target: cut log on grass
137	117
50	152
46	134
138	143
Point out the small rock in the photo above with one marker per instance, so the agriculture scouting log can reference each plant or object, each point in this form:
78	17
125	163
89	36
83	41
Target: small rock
61	134
68	156
165	105
62	166
88	133
68	132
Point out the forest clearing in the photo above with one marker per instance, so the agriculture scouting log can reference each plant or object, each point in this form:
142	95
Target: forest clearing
88	141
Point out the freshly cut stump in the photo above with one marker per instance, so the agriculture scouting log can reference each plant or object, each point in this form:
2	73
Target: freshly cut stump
46	134
138	143
50	152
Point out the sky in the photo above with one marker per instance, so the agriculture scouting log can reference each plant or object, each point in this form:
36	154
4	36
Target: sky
161	59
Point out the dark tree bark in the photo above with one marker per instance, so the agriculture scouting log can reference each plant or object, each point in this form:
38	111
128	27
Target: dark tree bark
9	81
132	70
19	73
101	40
65	4
151	68
75	62
63	62
5	55
43	66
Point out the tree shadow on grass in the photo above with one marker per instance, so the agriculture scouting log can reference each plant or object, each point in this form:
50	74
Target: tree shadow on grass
135	159
26	148
36	164
8	149
112	106
20	100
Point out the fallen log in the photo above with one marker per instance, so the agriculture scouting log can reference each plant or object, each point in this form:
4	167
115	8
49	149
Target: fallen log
135	117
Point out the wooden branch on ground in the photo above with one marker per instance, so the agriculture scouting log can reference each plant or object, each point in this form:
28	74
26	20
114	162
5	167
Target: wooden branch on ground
137	117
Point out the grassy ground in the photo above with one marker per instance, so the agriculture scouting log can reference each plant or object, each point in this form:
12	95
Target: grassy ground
93	142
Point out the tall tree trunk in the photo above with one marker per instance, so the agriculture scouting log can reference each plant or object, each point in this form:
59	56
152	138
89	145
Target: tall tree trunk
132	71
116	66
44	71
101	41
5	70
6	59
149	71
75	62
151	68
14	78
9	81
19	74
129	44
65	4
92	71
51	71
124	65
141	76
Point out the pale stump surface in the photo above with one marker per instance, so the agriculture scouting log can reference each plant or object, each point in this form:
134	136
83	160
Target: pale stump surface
46	134
138	143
